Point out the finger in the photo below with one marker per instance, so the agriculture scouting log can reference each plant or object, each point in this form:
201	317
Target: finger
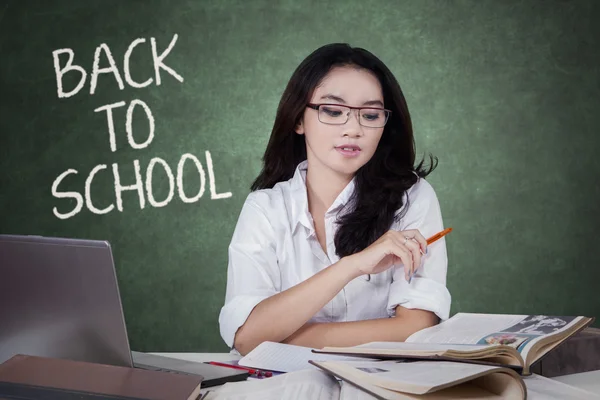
416	235
415	251
412	245
404	254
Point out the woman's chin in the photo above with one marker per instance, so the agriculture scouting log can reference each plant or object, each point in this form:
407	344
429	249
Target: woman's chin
347	167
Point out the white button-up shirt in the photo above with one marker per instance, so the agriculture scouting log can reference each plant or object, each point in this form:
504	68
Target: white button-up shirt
274	247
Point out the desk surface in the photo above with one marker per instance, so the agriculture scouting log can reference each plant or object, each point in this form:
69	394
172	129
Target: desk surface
589	381
202	357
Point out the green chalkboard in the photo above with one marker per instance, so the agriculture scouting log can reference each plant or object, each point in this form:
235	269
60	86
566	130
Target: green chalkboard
504	93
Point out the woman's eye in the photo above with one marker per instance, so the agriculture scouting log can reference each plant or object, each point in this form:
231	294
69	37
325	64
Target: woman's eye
371	117
332	112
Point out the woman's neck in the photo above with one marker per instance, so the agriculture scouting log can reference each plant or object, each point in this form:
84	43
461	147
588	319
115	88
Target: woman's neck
323	186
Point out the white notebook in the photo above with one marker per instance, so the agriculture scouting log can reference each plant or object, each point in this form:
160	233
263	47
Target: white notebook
286	357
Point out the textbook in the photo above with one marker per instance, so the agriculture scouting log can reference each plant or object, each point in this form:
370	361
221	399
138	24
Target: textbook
388	380
516	341
391	380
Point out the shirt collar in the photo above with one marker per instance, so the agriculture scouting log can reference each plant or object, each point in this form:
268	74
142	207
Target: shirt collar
300	213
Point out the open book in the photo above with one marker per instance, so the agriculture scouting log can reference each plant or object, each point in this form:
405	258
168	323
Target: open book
315	376
517	341
318	385
389	380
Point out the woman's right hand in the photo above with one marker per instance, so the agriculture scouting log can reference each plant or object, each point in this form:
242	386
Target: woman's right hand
391	248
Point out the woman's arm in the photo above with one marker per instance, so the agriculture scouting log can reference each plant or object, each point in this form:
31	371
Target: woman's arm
346	334
279	316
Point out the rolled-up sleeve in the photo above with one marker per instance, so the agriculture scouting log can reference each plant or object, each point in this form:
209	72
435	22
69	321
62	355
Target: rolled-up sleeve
427	290
252	270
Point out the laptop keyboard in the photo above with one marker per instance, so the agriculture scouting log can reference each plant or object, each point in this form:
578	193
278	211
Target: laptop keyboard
153	368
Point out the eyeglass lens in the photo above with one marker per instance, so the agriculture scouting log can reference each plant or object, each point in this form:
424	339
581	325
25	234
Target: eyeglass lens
338	115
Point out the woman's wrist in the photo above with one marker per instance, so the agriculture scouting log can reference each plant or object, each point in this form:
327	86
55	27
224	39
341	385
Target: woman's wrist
349	267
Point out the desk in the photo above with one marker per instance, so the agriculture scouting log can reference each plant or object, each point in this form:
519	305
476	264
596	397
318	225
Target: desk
589	381
202	357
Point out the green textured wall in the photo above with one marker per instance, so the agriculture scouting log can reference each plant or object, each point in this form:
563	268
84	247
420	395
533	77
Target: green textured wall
504	93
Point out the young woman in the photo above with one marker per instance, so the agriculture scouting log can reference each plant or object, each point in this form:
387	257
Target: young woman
326	244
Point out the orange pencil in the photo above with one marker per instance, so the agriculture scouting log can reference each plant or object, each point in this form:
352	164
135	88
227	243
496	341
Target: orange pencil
439	235
432	239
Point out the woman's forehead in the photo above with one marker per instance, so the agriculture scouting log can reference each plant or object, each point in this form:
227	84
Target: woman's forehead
350	85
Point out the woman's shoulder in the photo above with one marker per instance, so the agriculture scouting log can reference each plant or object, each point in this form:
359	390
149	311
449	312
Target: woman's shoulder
420	196
420	206
270	200
283	193
422	190
274	207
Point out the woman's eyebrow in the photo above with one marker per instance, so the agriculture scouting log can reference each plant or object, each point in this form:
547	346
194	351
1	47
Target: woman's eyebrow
340	100
373	103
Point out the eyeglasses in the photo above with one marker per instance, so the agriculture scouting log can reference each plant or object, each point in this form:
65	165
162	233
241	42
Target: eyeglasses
336	114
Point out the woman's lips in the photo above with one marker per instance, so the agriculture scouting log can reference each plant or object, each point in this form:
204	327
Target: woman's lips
348	150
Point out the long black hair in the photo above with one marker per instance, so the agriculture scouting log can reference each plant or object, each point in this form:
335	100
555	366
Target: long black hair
379	184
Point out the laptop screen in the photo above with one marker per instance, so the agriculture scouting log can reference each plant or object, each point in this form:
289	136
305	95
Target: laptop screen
60	298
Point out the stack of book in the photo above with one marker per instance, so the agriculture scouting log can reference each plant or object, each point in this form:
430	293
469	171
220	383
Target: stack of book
467	356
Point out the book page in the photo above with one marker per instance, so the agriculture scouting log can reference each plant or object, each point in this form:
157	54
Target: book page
301	385
465	328
285	357
420	347
518	331
526	346
411	377
351	392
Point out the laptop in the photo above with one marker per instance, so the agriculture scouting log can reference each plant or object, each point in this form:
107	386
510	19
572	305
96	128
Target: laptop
60	298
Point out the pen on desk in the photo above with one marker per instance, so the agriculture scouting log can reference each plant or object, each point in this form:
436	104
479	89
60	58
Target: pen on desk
431	240
252	371
205	395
